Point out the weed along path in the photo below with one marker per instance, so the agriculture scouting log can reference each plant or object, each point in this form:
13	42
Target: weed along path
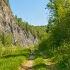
27	65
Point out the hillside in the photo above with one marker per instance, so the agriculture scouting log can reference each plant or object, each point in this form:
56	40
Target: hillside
13	30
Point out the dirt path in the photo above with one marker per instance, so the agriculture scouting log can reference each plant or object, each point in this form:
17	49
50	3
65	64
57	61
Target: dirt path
29	63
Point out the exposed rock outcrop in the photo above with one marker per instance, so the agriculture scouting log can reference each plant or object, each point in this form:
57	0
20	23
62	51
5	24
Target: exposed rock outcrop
8	26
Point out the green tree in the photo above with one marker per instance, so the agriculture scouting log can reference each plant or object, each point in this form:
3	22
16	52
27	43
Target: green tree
59	35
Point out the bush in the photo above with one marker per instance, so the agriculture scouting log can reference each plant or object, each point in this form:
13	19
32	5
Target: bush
40	67
62	56
38	60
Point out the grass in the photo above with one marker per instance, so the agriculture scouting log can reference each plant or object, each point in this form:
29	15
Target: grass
12	57
11	63
40	67
14	51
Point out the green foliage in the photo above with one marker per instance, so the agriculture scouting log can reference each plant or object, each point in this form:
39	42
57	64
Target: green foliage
57	44
11	63
40	31
11	57
6	39
40	67
39	64
14	51
38	60
62	56
60	31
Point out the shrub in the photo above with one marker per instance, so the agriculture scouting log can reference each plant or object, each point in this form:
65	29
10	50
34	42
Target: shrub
38	60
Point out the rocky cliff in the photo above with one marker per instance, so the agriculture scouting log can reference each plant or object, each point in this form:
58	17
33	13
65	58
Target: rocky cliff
8	26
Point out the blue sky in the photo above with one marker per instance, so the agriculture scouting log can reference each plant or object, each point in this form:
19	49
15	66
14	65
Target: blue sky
32	11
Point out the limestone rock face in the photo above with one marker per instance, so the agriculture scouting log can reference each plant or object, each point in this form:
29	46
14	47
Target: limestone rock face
8	26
